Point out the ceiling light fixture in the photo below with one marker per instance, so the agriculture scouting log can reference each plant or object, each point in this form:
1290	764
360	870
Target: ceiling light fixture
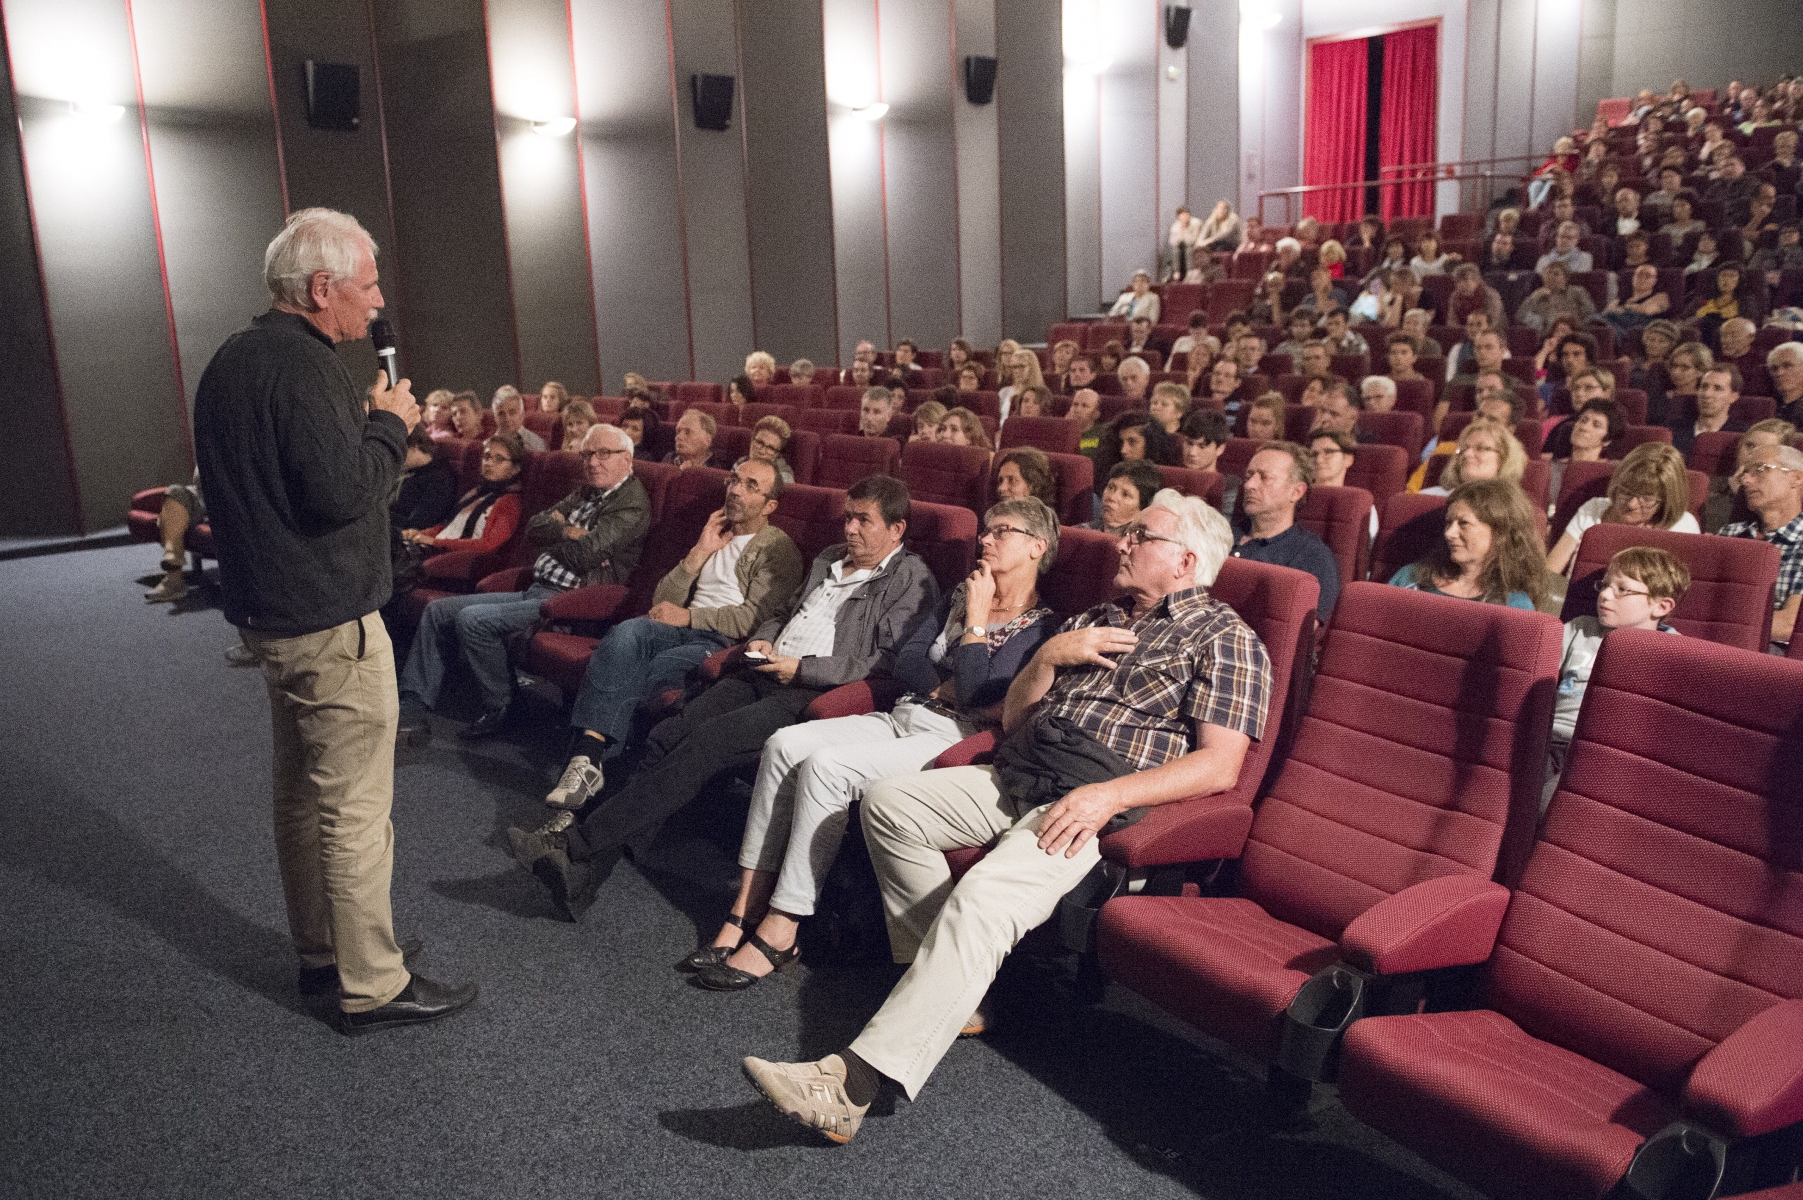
555	127
100	114
871	112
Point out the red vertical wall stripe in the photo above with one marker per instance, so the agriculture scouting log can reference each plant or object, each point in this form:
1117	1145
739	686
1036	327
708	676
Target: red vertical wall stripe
1411	95
1334	140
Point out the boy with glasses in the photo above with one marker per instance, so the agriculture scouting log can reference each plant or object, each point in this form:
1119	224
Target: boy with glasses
1638	591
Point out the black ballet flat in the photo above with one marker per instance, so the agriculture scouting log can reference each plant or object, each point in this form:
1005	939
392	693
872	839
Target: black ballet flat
722	978
711	956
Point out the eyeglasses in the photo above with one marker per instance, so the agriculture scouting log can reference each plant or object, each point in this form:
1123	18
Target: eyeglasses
1761	469
763	444
1621	592
497	458
743	484
1325	452
589	455
1139	535
998	532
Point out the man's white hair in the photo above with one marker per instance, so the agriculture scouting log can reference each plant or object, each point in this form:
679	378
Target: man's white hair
1134	365
503	394
622	439
1288	243
1201	530
1783	351
313	240
1382	383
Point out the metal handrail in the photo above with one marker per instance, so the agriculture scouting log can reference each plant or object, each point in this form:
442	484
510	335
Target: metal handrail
1434	173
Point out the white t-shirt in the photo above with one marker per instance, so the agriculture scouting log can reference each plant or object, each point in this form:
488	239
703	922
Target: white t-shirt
1591	513
718	584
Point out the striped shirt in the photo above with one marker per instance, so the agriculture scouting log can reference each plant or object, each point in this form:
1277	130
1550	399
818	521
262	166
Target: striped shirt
1195	661
1789	540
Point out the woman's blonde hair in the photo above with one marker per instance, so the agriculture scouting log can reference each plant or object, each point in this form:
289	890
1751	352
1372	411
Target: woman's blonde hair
1652	469
1028	363
551	388
971	424
1514	455
1331	252
760	358
1695	353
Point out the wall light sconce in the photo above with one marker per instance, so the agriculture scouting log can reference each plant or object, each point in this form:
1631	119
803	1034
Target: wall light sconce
555	127
98	114
871	112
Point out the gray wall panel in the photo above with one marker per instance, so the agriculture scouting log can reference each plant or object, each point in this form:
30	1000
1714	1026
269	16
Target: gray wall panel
920	170
854	78
1030	131
212	143
713	194
1556	46
1213	81
97	245
1129	158
1707	42
1515	81
629	157
1082	161
37	491
979	180
788	179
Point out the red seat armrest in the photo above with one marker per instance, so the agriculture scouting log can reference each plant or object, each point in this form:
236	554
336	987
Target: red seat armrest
975	749
464	565
718	663
1752	1082
1194	830
513	579
601	602
1450	921
854	700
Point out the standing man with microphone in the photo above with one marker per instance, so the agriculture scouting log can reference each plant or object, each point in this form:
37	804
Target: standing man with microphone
302	472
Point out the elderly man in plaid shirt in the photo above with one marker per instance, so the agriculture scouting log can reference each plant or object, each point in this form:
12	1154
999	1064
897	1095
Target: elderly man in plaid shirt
1772	480
1156	697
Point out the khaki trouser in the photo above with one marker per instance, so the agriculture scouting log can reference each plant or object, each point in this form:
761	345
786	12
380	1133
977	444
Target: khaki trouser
334	709
957	937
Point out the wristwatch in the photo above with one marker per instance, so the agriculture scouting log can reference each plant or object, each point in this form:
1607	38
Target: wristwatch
979	630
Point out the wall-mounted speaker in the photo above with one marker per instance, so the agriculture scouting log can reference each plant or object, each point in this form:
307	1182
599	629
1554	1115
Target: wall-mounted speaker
979	78
712	97
334	96
1176	26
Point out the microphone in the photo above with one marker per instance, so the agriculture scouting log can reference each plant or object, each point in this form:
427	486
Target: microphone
381	333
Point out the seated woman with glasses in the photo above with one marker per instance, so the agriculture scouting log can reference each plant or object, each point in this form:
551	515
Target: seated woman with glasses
1485	451
769	438
488	513
1650	488
1490	550
957	663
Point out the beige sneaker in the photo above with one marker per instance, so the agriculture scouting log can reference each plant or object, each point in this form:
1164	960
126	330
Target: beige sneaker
979	1021
811	1094
173	588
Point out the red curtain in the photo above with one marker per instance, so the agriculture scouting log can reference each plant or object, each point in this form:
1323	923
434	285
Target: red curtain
1334	145
1411	90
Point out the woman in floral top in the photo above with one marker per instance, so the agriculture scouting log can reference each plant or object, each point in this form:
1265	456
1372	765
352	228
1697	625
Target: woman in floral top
956	663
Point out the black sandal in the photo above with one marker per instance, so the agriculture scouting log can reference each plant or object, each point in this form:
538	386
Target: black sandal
722	978
713	956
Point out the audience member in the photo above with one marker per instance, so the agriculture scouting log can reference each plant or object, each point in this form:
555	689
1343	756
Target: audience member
593	535
1772	482
435	415
1276	481
466	416
1222	231
741	572
1485	450
637	422
1339	411
927	419
1139	300
1428	259
1491	550
428	491
760	368
769	438
1129	488
957	661
1651	488
1557	296
1204	435
1025	472
694	440
552	396
181	510
1085	412
740	391
1784	367
1169	403
1566	251
826	643
576	419
962	427
1035	401
1716	394
875	411
1265	417
801	372
1341	339
1470	294
1377	393
510	416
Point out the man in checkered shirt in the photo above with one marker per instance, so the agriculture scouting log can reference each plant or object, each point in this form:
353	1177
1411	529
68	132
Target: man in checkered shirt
593	535
1772	481
1167	678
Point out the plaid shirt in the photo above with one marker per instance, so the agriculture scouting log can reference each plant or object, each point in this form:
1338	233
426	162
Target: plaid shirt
1789	540
1195	661
547	570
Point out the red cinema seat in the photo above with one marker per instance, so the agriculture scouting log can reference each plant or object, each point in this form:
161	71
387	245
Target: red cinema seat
813	517
793	395
544	424
1650	967
1380	469
847	458
1408	526
942	474
1083	576
1412	784
1396	428
1210	486
803	454
1076	487
1731	581
750	414
1638	435
1527	431
984	403
1415	396
1715	453
697	393
1054	435
1067	331
580	616
945	538
723	414
1235	455
1298	419
826	421
845	396
731	443
1341	517
1351	367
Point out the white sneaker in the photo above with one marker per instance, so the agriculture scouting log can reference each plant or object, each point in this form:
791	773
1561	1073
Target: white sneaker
581	780
810	1094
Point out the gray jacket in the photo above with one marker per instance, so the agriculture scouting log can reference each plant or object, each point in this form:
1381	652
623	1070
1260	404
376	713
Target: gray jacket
869	626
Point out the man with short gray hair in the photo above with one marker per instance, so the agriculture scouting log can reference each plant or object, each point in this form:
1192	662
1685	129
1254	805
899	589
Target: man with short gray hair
1784	367
1276	480
1772	481
299	464
1080	755
510	416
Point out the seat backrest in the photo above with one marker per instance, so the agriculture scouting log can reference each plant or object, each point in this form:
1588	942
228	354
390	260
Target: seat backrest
983	403
697	393
1298	419
1581	483
1731	581
1395	428
1421	756
803	453
686	502
1235	455
1279	603
943	474
731	443
845	396
1076	486
544	424
1715	453
846	458
750	414
1662	907
1638	435
1408	526
1051	434
826	421
813	517
1210	486
795	395
1083	575
467	458
1341	517
1380	469
1416	396
945	537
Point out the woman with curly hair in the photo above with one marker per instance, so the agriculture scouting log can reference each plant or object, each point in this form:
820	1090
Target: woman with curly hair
1490	551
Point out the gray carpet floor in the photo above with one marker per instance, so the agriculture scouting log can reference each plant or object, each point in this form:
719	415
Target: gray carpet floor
154	1045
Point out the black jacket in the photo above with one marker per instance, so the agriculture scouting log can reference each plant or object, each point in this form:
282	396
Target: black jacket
297	478
427	497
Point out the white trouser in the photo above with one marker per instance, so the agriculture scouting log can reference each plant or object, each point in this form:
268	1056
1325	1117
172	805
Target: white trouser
955	936
809	777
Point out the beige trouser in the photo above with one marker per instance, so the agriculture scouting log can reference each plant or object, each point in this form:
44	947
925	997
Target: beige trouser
956	937
334	709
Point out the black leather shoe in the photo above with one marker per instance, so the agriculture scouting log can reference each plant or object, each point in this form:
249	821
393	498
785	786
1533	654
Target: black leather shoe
420	1001
323	981
486	725
572	884
414	728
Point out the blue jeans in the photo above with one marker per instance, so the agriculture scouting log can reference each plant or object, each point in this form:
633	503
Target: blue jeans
479	626
635	661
